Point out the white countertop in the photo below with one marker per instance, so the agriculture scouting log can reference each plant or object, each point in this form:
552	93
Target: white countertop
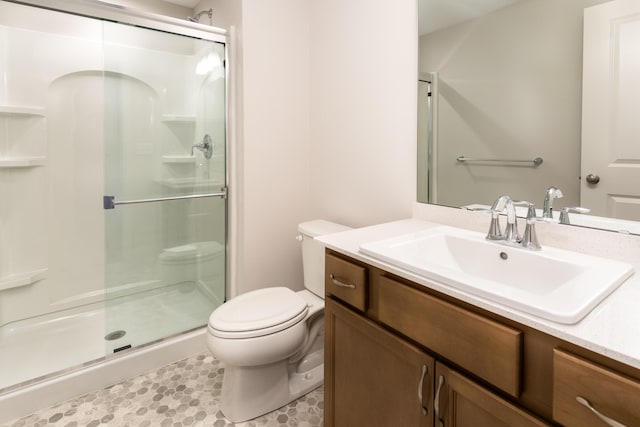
611	329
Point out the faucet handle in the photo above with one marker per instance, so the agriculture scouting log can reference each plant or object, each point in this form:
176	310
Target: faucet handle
494	232
511	234
564	214
531	208
530	237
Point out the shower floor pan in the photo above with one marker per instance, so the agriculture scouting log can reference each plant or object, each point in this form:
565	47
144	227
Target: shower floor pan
46	344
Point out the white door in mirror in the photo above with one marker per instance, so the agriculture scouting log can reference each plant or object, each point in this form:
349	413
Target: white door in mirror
611	101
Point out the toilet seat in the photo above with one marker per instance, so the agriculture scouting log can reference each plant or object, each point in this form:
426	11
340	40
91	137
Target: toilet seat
258	313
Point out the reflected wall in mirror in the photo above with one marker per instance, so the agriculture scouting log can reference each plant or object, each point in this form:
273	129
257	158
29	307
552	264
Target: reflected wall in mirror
526	79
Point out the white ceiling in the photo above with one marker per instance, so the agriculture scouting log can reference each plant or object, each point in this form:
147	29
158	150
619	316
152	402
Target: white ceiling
186	3
438	14
434	14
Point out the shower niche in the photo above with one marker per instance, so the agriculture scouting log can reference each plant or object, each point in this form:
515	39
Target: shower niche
23	132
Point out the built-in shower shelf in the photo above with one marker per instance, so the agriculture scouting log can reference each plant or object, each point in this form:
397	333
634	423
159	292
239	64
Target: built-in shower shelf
178	119
20	110
21	162
22	279
191	183
179	159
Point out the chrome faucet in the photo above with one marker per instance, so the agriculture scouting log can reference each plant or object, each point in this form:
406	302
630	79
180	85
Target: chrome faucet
511	229
529	239
547	207
206	146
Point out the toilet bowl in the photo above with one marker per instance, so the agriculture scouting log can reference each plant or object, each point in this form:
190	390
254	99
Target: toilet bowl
271	340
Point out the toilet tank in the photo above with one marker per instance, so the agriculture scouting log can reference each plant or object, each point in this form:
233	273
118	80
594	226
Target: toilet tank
313	252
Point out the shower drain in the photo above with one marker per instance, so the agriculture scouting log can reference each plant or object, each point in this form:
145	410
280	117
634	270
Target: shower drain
114	335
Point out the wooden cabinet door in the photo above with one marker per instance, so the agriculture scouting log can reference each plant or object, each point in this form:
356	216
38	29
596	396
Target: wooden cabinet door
461	402
373	378
579	383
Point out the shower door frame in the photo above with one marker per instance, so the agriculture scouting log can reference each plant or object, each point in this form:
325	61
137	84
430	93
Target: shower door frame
51	388
113	12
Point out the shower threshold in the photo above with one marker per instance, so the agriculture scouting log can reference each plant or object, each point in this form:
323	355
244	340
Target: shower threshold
46	344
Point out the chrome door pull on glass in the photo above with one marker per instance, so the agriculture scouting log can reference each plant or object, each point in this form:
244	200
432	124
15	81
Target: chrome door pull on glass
108	202
610	422
340	283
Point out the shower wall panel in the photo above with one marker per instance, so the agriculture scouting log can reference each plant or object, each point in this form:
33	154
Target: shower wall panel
89	90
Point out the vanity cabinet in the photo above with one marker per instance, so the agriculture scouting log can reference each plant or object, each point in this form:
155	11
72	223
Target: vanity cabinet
398	353
462	402
377	379
613	395
347	281
483	347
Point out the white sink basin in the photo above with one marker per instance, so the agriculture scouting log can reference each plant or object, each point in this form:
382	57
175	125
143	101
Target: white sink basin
554	284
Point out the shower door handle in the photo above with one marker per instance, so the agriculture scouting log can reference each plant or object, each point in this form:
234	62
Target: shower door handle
109	202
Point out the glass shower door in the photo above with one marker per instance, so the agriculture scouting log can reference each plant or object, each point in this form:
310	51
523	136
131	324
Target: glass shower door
165	183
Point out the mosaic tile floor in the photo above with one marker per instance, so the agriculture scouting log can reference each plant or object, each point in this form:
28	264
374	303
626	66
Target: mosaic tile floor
182	394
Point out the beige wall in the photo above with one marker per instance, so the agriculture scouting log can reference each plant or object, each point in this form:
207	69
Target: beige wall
326	127
363	109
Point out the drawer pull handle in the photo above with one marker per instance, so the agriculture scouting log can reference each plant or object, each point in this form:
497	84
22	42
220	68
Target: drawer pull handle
436	401
610	422
340	283
424	373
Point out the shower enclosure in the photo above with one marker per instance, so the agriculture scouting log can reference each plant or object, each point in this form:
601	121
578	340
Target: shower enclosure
112	185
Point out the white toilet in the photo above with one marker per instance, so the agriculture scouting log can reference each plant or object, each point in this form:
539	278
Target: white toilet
271	341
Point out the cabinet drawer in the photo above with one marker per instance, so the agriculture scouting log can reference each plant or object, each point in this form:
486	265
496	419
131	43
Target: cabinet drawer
485	348
612	394
346	281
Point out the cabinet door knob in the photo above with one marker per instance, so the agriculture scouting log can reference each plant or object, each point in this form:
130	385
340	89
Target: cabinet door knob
609	421
592	179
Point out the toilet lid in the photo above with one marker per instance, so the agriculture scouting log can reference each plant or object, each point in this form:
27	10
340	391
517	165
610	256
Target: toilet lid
257	313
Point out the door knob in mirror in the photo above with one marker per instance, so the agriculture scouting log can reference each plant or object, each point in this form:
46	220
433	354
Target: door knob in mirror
593	179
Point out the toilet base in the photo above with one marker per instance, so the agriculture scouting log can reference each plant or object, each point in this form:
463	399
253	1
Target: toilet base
251	391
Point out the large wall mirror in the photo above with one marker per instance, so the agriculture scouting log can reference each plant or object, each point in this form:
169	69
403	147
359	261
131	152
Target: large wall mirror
517	96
